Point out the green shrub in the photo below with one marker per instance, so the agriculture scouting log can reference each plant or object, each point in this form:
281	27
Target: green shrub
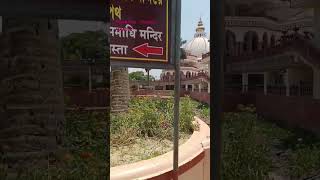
86	157
150	117
244	156
304	161
187	113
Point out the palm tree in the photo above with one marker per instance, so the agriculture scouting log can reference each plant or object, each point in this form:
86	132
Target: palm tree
31	91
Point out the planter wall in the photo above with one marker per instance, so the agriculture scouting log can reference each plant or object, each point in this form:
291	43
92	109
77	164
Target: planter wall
194	161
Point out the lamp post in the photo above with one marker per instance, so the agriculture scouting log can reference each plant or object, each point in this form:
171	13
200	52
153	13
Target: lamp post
148	76
90	62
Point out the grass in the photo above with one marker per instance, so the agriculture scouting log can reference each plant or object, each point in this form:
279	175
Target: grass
254	148
86	158
145	131
245	155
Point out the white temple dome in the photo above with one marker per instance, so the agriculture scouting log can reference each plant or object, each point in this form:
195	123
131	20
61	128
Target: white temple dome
199	45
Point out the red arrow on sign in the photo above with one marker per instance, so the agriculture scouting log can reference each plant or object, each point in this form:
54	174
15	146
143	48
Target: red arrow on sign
145	50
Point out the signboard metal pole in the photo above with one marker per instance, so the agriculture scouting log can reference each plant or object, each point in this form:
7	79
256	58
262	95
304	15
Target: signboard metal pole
90	78
177	87
217	74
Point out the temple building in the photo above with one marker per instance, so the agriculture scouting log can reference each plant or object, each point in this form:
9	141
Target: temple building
271	48
194	68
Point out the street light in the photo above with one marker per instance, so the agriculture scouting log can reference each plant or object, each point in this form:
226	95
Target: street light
89	62
148	78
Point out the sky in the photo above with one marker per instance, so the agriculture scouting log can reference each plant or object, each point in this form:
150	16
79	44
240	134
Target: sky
67	27
191	11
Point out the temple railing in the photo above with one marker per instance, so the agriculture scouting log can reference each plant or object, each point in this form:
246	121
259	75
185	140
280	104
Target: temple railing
304	3
267	23
297	44
294	90
204	75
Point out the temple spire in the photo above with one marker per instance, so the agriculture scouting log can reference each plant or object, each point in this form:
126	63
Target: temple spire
200	29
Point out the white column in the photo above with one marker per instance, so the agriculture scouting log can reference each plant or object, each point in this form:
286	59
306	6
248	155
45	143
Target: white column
192	87
186	87
316	83
265	83
199	87
244	82
90	79
286	82
316	21
208	87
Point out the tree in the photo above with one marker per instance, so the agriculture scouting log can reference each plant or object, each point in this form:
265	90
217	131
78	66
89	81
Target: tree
183	54
90	44
182	42
140	76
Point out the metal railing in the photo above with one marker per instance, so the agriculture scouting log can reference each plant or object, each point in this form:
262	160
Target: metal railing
296	43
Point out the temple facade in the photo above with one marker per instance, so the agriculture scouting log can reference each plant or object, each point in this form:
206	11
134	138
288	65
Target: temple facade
276	53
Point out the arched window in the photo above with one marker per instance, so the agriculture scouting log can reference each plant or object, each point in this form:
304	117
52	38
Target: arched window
273	41
250	41
181	74
230	43
255	41
265	42
188	74
36	29
49	25
246	42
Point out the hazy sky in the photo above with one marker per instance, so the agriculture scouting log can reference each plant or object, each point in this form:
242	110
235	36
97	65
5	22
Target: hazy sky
191	11
75	26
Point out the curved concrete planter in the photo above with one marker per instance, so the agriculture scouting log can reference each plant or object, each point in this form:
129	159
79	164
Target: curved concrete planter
194	161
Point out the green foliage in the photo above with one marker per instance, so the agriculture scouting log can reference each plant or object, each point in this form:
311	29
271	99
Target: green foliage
140	76
245	156
204	111
304	161
90	44
186	115
150	117
248	142
67	100
76	81
86	157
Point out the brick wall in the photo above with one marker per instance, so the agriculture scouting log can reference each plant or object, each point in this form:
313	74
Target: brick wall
291	112
142	92
294	112
82	97
203	97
